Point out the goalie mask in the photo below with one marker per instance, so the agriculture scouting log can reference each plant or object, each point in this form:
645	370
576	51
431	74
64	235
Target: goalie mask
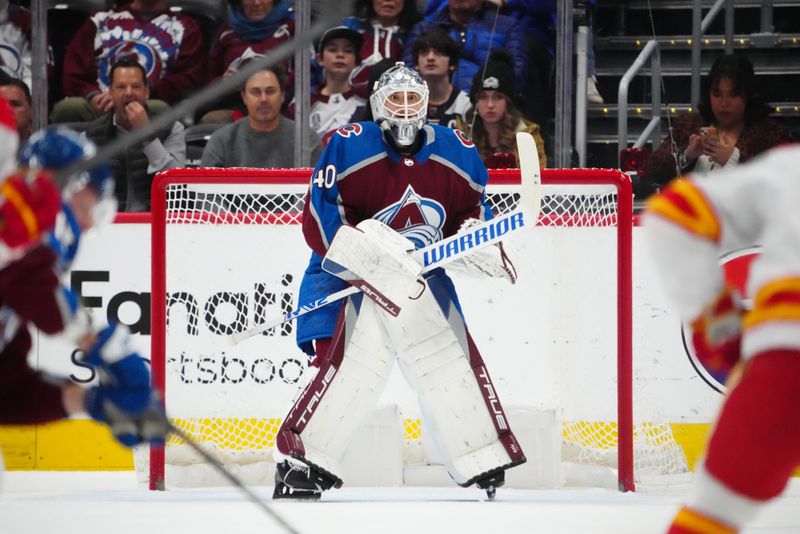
87	198
399	103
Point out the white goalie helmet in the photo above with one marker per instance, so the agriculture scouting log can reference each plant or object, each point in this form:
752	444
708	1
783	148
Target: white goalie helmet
399	103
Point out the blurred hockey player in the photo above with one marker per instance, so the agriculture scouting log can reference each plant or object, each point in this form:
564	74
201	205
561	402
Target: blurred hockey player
28	205
30	293
379	190
755	444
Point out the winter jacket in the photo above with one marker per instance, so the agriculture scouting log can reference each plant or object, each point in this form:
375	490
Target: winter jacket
476	43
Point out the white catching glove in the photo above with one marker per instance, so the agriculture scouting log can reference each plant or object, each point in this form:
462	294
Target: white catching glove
492	262
375	258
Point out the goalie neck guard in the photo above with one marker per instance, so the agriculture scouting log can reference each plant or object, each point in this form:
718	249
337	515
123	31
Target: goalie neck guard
399	103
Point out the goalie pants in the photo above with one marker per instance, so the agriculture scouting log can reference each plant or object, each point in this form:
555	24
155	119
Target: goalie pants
439	360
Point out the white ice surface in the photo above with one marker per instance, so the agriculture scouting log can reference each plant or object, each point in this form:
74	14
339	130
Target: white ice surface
113	503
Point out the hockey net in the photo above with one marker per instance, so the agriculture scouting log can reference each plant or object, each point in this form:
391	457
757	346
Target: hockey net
228	254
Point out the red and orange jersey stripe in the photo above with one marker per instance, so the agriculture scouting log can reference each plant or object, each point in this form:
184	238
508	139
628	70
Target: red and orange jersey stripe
689	521
685	205
778	300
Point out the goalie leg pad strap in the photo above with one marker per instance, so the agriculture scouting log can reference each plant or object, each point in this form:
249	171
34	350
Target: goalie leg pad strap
455	392
343	392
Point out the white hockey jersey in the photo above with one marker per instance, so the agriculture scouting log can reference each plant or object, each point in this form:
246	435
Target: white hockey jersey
696	220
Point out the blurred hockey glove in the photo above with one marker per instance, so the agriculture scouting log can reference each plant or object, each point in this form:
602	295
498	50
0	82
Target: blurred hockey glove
28	208
717	333
492	262
124	399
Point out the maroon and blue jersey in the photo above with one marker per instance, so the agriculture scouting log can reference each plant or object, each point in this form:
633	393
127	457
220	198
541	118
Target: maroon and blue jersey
425	197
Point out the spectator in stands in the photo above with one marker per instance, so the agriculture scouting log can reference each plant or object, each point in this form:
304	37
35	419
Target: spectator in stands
476	27
15	42
537	18
494	119
19	97
436	56
253	27
264	138
732	104
135	168
336	102
384	25
169	47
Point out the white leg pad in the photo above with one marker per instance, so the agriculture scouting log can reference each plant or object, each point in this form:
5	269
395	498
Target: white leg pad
354	390
434	357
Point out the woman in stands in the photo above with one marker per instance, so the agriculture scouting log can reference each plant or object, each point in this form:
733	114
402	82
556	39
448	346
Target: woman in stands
384	24
494	119
253	27
730	127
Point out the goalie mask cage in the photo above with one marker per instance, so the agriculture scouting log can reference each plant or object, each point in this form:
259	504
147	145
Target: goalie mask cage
228	254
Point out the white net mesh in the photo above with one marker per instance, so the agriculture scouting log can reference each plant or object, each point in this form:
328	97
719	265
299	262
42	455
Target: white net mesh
234	256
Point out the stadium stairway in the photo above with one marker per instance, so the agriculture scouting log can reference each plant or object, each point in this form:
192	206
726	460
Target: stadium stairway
623	28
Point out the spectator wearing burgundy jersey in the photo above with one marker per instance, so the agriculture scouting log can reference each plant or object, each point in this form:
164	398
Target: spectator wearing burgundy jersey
168	45
336	102
253	27
384	25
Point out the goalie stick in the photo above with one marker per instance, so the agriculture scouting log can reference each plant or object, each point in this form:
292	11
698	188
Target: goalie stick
230	477
446	250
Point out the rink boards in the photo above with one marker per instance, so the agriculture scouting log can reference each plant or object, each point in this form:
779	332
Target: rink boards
548	341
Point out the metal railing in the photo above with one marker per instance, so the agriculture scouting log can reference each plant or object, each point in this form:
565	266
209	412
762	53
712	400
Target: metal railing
699	28
653	129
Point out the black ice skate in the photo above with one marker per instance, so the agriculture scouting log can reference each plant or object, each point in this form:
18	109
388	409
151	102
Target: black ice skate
297	481
491	481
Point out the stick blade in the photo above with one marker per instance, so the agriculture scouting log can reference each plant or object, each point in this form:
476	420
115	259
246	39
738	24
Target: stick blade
531	196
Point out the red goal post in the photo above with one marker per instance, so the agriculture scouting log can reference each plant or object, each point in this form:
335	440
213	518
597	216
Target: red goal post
192	207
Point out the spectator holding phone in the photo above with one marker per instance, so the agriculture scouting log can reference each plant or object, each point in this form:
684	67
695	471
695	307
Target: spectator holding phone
730	127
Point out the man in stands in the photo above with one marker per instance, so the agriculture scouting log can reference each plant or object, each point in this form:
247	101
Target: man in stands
31	293
336	103
755	445
169	46
264	138
436	56
19	97
135	168
474	26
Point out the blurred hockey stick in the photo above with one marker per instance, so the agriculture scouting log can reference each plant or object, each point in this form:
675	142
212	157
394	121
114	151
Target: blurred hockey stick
230	477
454	247
332	15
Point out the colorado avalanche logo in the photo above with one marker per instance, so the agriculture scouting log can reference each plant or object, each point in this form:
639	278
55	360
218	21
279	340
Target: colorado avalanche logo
417	218
736	267
147	56
350	129
464	138
10	60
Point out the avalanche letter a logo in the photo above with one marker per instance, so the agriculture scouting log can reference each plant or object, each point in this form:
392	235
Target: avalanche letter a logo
414	217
